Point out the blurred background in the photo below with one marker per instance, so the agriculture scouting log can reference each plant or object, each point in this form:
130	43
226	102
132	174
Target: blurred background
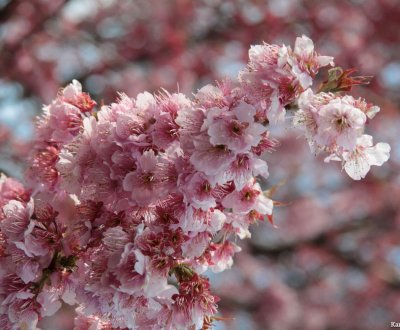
334	260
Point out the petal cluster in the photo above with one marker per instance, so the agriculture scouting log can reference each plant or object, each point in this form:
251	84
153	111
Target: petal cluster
129	204
336	124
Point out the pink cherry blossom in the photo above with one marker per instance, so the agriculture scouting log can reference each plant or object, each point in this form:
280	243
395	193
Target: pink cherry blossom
129	204
16	219
144	183
306	62
243	169
237	129
340	123
211	159
222	257
250	197
199	192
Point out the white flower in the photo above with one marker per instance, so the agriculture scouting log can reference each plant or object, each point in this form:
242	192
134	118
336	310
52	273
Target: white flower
358	162
341	123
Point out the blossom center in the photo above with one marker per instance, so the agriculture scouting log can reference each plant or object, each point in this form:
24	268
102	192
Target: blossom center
148	177
342	123
237	128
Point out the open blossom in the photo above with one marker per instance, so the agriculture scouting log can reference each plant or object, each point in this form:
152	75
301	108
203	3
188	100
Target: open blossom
73	94
243	168
16	217
210	96
11	189
193	302
60	123
199	192
306	116
222	257
236	129
213	160
336	124
357	163
339	122
332	121
305	62
63	117
33	258
250	197
278	74
155	189
144	183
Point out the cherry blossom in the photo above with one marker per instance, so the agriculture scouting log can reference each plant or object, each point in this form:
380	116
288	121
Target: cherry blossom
129	204
358	162
340	123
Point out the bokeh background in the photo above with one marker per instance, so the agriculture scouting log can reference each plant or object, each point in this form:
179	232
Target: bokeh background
334	260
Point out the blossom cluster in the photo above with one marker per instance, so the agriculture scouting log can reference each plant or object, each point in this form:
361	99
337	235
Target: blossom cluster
336	124
129	204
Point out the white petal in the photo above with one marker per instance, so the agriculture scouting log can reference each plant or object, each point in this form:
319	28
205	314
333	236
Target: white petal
277	112
333	157
69	295
371	113
260	167
379	154
263	205
155	284
303	45
348	139
71	90
145	100
365	141
217	220
245	112
357	167
140	262
305	80
325	60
